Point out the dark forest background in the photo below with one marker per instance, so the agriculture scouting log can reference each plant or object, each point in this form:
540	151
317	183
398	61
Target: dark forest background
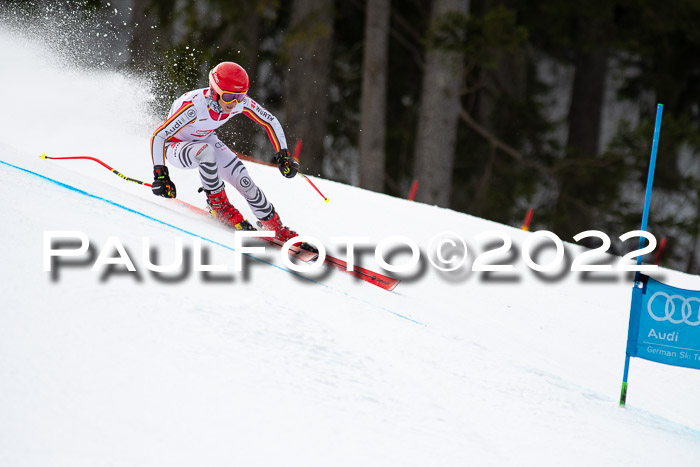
494	106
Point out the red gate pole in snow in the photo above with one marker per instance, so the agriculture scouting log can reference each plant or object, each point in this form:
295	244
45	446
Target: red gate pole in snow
660	251
414	190
528	219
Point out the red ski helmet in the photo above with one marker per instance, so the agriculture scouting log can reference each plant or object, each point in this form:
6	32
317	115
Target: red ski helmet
229	81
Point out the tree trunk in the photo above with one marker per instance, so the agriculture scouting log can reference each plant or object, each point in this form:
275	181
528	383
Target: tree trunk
439	114
580	191
308	51
587	102
508	78
374	95
507	81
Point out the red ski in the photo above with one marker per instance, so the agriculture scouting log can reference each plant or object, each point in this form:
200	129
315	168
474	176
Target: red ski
367	275
380	280
296	252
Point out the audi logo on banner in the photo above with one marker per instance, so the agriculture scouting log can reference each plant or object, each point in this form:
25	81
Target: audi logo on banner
677	309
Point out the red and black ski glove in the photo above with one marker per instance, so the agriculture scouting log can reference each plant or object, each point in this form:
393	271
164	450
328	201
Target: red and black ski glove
162	185
287	164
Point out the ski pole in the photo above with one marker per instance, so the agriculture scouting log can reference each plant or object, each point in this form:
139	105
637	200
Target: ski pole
124	177
44	156
325	200
116	172
297	151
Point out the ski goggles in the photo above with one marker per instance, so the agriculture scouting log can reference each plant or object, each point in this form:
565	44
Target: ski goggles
229	97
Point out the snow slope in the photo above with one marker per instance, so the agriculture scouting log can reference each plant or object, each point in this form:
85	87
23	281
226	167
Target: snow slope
264	367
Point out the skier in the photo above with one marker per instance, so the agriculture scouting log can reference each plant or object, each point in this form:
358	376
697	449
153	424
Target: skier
187	141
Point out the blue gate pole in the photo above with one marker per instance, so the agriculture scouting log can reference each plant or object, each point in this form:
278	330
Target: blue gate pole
645	219
650	178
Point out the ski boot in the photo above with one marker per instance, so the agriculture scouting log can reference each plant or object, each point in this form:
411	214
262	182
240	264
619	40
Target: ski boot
223	211
282	233
273	223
